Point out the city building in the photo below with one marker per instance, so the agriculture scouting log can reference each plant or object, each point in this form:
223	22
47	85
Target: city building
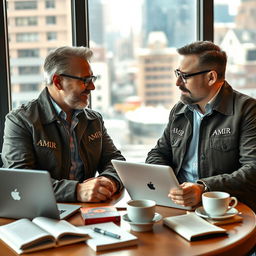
170	17
241	70
156	79
34	28
102	94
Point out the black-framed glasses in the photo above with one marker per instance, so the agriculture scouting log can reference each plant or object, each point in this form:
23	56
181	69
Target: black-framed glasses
86	80
185	76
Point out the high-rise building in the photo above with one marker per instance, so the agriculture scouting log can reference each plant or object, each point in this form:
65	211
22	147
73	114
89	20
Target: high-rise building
171	17
34	27
96	21
156	80
101	95
246	17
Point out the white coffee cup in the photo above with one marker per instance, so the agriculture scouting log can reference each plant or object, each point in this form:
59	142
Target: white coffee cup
141	211
217	203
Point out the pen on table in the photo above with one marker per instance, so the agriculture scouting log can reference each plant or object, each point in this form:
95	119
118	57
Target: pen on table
106	233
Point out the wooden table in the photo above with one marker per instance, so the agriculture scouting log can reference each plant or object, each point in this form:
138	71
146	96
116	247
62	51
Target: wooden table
162	241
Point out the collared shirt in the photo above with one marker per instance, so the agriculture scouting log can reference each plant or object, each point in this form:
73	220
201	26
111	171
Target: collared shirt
76	167
189	169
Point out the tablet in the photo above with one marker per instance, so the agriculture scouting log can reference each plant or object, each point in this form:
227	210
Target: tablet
148	181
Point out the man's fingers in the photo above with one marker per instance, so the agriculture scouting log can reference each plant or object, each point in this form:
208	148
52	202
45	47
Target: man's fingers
186	201
89	196
93	191
107	183
189	194
102	190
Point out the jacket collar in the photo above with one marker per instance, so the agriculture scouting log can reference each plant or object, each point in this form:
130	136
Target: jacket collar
49	113
223	102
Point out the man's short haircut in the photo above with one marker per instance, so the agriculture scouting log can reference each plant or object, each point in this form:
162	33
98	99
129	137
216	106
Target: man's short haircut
211	56
58	60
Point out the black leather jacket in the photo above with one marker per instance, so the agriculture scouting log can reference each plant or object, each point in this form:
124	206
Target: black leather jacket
227	144
35	138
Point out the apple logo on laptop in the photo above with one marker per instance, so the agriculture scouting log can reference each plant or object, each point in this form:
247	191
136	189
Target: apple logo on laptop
15	194
151	185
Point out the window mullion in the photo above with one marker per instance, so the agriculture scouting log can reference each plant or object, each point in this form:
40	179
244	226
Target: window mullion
5	95
205	19
80	23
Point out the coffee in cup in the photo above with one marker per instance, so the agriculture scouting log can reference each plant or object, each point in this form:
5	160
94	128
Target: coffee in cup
141	211
217	203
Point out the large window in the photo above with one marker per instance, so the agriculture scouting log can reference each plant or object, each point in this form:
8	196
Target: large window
234	30
134	44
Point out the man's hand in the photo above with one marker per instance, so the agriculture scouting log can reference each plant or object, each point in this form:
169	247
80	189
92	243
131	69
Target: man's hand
96	189
189	194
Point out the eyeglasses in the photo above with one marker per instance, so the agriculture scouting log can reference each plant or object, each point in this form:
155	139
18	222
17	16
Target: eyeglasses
185	76
86	80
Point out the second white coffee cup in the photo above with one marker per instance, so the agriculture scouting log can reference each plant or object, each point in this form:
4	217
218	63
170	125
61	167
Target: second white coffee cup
141	211
217	203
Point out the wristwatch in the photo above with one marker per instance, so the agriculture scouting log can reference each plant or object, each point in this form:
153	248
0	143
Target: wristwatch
204	184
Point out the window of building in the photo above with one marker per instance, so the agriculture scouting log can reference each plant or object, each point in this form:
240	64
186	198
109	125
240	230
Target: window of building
27	70
25	5
27	37
27	53
29	87
51	36
251	55
50	4
50	20
26	21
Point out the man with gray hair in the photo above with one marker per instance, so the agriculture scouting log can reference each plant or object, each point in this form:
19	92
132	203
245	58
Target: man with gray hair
56	132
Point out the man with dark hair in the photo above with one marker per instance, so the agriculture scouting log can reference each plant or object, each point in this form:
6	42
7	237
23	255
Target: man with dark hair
57	133
210	139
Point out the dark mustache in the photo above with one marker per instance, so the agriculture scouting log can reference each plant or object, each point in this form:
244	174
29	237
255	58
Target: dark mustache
184	89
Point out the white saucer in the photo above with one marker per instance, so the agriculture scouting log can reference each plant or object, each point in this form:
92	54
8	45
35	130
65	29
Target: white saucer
142	227
230	213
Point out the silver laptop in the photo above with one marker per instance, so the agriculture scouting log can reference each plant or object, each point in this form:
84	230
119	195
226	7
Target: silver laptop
148	181
28	194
